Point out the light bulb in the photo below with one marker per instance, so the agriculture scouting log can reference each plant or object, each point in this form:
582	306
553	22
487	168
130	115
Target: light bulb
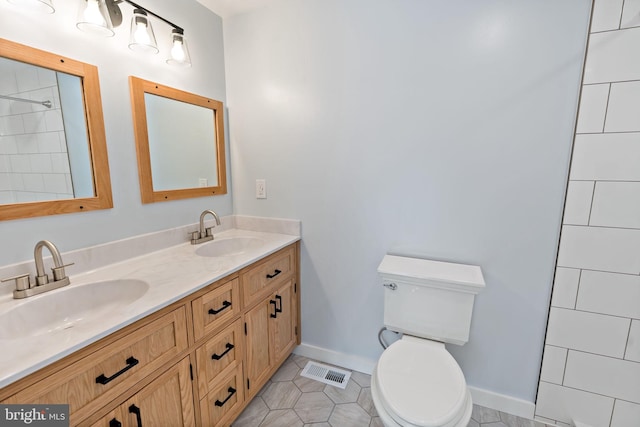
141	38
92	13
177	51
93	17
141	35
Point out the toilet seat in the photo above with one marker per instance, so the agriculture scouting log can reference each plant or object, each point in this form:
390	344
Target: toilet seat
419	384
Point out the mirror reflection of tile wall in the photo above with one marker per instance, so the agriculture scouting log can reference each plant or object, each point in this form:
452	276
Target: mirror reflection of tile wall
34	163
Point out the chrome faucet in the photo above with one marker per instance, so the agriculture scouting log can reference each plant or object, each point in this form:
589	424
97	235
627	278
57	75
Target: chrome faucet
58	268
25	288
205	234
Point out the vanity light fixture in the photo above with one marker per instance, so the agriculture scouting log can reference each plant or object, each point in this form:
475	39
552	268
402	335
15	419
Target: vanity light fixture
94	17
43	6
179	50
101	16
142	38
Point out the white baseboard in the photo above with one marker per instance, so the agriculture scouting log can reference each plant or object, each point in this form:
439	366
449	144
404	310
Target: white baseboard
355	363
482	397
502	402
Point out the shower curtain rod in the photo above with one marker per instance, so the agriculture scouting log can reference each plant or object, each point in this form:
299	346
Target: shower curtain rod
12	98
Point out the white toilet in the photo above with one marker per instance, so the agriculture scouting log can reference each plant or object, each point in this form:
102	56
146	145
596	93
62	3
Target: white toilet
416	382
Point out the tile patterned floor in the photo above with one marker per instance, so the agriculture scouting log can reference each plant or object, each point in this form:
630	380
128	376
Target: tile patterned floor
289	400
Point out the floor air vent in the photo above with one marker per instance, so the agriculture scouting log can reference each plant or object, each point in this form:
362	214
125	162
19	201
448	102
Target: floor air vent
326	374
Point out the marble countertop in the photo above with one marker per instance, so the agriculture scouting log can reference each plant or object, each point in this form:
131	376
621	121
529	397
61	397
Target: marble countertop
171	273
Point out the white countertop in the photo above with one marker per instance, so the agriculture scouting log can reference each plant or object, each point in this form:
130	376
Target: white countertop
171	273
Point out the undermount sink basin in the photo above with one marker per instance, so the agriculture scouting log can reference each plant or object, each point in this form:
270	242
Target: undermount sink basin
69	306
229	246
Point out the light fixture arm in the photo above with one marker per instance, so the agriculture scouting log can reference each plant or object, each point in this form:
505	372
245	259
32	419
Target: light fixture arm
137	6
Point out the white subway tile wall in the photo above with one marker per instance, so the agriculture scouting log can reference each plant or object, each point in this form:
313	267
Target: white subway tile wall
607	199
34	164
553	364
592	332
593	107
578	204
565	287
633	348
591	364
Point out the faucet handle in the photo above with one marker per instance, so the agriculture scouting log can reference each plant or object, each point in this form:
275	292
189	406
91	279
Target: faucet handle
208	232
194	235
22	281
58	272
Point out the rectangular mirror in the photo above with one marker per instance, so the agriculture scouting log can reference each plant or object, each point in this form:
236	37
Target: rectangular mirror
179	142
53	156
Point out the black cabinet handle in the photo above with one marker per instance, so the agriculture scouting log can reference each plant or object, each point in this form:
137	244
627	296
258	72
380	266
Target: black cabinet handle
115	423
131	362
275	273
133	409
279	299
231	391
226	304
219	356
275	309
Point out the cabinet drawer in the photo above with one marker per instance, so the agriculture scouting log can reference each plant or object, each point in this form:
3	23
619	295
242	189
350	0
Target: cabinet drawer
260	279
90	383
218	356
215	308
225	401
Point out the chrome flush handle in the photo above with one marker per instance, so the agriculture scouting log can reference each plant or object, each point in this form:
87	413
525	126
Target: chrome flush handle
391	286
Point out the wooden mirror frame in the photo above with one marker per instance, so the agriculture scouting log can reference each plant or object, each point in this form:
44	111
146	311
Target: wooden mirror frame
95	127
138	88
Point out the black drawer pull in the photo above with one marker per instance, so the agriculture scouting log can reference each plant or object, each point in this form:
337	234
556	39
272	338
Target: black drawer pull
279	298
275	273
231	391
275	309
133	409
220	356
131	362
226	304
115	423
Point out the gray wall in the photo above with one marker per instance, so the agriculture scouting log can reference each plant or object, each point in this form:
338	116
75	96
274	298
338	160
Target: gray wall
401	126
57	33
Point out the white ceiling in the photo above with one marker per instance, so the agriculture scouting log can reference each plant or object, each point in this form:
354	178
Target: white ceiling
226	8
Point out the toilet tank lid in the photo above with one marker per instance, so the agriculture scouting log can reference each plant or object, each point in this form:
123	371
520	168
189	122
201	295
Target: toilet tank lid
424	271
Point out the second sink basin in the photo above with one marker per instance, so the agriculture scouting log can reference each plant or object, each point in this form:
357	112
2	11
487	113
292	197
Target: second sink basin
229	246
69	306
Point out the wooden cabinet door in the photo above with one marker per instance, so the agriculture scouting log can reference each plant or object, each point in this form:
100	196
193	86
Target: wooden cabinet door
165	402
282	327
258	358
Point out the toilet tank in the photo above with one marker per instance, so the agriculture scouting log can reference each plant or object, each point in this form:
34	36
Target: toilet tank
429	299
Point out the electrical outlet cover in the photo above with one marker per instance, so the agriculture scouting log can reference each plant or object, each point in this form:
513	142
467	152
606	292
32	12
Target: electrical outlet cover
261	189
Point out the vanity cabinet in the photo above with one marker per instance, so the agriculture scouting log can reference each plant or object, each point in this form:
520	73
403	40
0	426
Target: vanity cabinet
271	335
271	324
259	280
166	401
197	362
215	308
225	401
220	376
92	382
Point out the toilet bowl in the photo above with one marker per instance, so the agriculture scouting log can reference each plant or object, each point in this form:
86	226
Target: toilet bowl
417	383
